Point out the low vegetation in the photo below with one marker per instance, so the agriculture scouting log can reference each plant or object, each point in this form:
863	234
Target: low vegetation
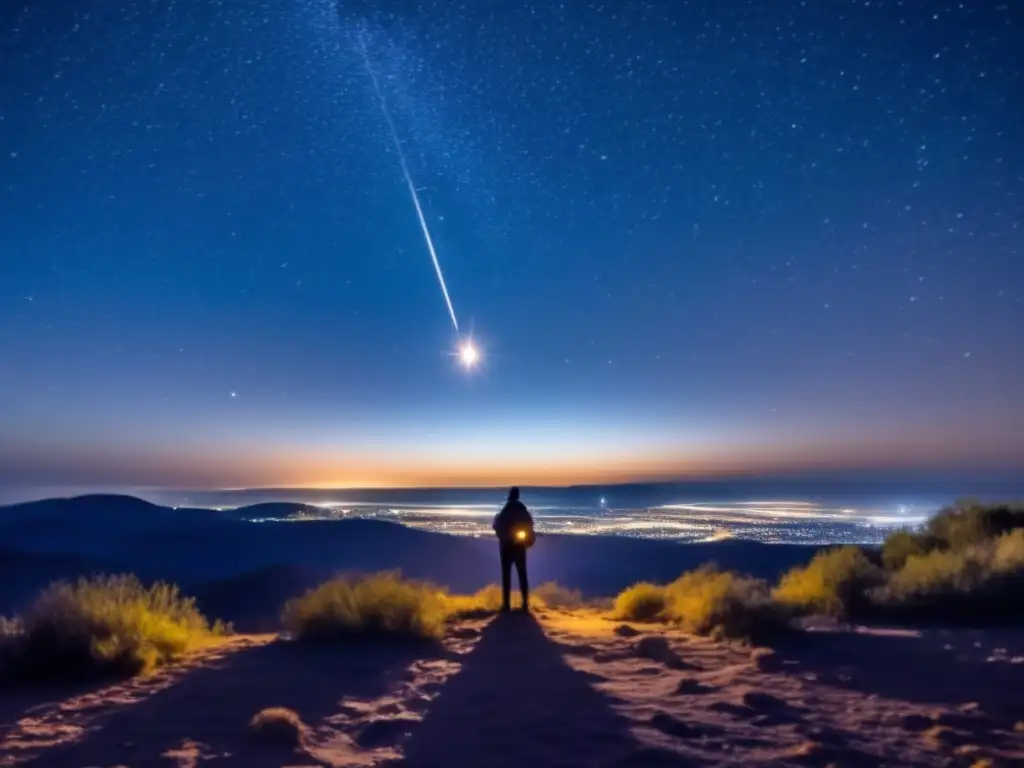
642	602
836	582
707	602
965	564
383	604
278	726
980	582
723	604
552	595
104	625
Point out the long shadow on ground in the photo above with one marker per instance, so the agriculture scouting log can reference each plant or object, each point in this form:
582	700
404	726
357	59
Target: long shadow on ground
212	705
948	668
515	702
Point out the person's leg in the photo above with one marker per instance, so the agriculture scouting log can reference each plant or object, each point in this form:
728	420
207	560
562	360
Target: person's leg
524	584
506	578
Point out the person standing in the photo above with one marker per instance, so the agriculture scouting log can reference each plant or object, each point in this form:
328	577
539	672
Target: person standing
514	528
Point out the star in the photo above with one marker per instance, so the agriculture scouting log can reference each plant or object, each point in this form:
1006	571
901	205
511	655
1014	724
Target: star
469	355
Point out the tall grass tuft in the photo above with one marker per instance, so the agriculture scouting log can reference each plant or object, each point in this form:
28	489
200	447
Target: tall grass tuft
723	604
983	581
104	625
835	582
642	602
553	595
383	605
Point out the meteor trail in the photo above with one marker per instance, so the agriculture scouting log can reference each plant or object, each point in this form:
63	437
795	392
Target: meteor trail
408	180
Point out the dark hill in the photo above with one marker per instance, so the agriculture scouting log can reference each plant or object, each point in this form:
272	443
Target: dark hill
227	558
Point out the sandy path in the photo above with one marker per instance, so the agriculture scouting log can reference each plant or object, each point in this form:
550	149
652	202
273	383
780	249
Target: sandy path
569	690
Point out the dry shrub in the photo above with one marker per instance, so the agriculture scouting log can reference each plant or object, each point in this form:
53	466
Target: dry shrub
641	602
959	527
835	582
1008	553
983	581
900	545
278	726
104	625
968	523
712	602
381	604
552	595
481	604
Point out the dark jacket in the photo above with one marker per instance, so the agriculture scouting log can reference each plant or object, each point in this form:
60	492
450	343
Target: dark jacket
513	516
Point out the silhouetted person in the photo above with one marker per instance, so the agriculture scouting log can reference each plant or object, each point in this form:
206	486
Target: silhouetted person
514	529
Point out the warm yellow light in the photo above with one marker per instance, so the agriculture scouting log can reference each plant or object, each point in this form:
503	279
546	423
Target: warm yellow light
521	535
469	355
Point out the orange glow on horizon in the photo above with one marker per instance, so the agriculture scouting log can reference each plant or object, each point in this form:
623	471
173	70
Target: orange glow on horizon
267	465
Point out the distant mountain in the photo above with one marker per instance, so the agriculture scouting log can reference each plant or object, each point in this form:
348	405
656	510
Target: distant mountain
244	570
253	600
277	510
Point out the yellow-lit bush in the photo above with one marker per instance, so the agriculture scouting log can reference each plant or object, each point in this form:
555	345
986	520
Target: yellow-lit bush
552	595
900	545
938	572
641	602
835	582
982	582
104	625
481	604
955	528
712	602
1008	553
968	523
381	604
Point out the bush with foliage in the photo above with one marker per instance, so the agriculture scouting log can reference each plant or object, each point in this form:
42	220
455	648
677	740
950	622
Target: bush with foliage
723	604
105	625
836	582
279	726
901	545
641	602
968	523
485	602
954	528
984	581
553	595
380	604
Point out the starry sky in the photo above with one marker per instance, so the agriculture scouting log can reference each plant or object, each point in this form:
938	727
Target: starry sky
689	238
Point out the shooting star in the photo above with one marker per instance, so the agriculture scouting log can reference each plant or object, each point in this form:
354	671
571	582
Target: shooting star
468	353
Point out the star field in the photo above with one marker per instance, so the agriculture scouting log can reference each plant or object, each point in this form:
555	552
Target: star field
689	237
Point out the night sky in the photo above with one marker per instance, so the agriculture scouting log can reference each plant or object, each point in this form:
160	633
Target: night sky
689	238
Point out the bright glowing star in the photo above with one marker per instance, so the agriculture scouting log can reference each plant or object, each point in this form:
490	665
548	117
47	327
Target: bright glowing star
521	535
469	355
